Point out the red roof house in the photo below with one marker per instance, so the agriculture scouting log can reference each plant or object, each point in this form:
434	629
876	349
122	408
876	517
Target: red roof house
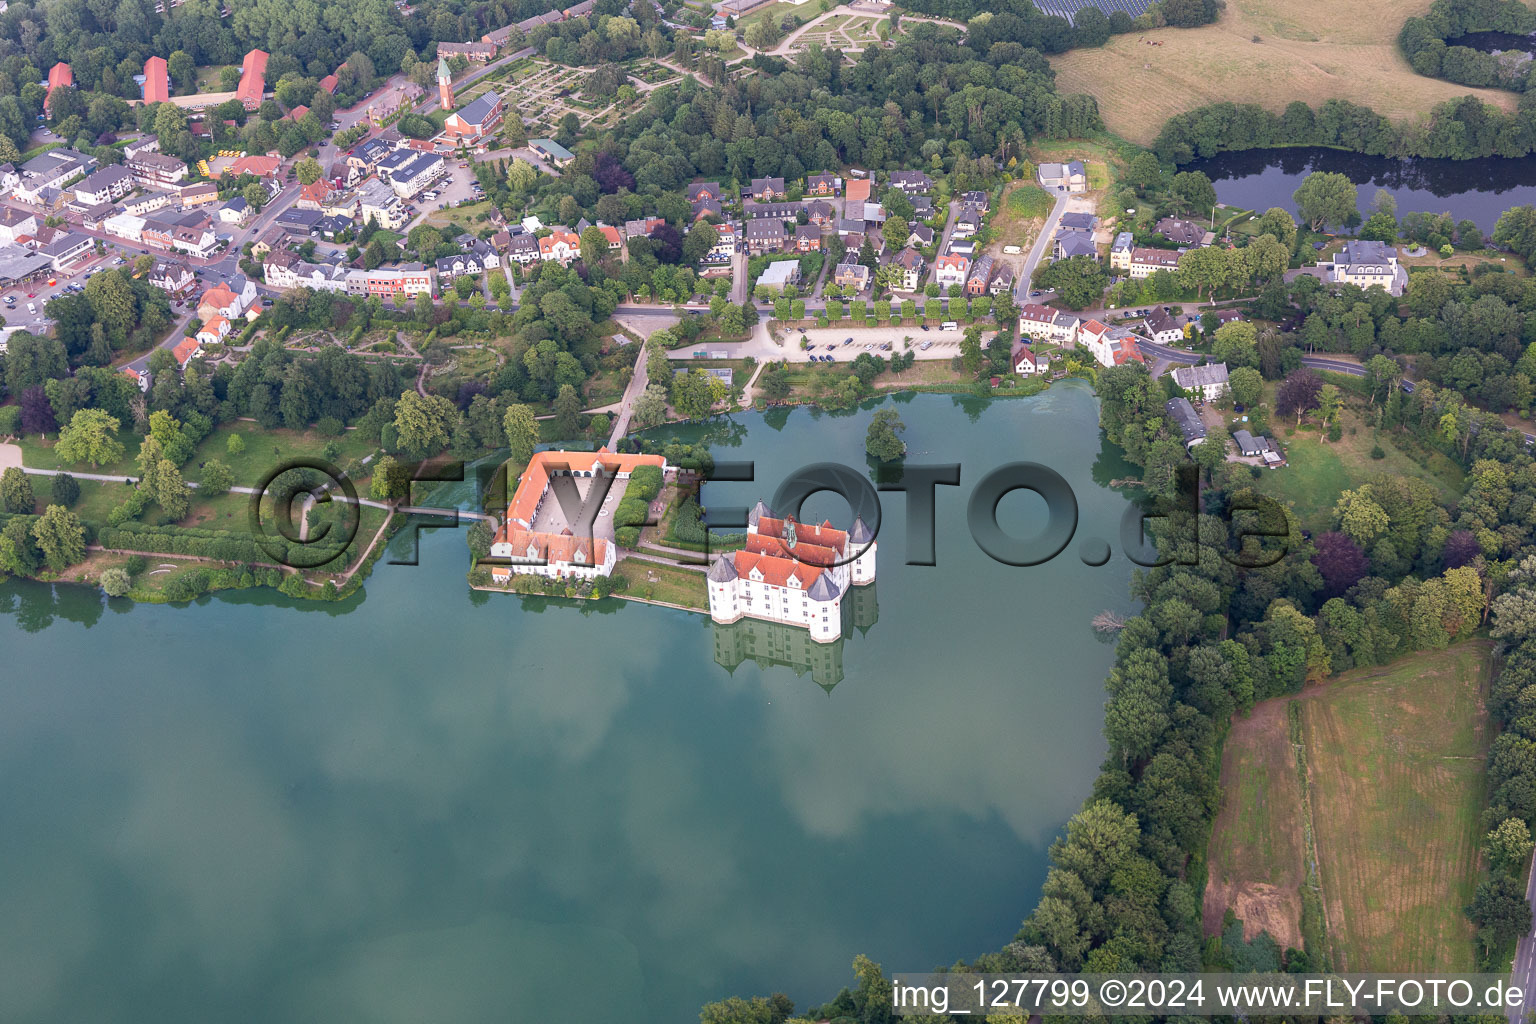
59	74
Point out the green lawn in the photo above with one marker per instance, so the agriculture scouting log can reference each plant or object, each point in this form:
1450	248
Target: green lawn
266	450
1320	470
653	580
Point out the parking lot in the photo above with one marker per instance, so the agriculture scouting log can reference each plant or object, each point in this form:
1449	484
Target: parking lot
833	341
13	301
449	192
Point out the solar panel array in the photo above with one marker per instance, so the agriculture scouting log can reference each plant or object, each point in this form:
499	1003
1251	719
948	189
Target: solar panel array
1068	8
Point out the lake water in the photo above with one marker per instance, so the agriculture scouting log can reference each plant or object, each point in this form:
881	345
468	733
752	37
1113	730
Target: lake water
1258	179
1494	42
425	804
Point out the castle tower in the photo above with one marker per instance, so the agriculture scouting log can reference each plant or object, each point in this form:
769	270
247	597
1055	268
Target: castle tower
444	84
722	577
859	538
827	612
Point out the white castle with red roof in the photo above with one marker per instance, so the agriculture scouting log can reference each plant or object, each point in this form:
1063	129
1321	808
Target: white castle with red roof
791	572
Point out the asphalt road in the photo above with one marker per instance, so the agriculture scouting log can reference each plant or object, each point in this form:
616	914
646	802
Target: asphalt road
1524	972
1037	252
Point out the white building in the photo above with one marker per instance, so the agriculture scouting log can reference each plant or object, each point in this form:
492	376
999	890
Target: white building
792	573
1111	346
1146	262
1369	263
1037	321
1208	381
409	172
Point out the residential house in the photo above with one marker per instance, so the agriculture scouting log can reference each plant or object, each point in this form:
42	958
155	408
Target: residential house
16	223
1188	233
1187	420
475	53
823	185
59	76
1111	346
477	120
951	270
1146	262
642	228
771	211
523	248
138	378
381	204
708	208
1208	381
921	236
400	279
764	235
199	194
851	275
314	196
104	186
1165	330
1120	252
922	207
702	190
1027	362
1227	316
410	173
1369	264
190	232
187	350
1002	281
981	274
93	217
460	265
214	330
236	211
911	266
220	300
272	240
156	170
821	214
50	171
149	202
807	238
561	245
1067	177
9	178
487	252
172	277
286	274
766	190
967	223
725	245
1069	243
979	201
961	247
911	182
1077	221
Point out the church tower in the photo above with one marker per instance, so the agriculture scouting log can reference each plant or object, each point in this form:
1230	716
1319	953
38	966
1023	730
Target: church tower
444	84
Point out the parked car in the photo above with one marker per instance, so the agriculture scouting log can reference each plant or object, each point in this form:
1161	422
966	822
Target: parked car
925	346
925	327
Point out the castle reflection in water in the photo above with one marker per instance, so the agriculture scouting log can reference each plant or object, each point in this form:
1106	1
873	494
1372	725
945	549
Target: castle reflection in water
770	644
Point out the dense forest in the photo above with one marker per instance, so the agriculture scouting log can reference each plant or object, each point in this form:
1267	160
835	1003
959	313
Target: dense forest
1090	27
1460	129
1428	43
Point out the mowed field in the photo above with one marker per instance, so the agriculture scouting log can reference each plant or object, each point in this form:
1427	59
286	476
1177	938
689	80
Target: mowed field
1396	758
1310	50
1257	847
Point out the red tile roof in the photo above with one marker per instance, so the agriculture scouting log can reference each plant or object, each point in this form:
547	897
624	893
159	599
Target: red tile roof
185	350
253	72
536	477
856	190
157	88
776	571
